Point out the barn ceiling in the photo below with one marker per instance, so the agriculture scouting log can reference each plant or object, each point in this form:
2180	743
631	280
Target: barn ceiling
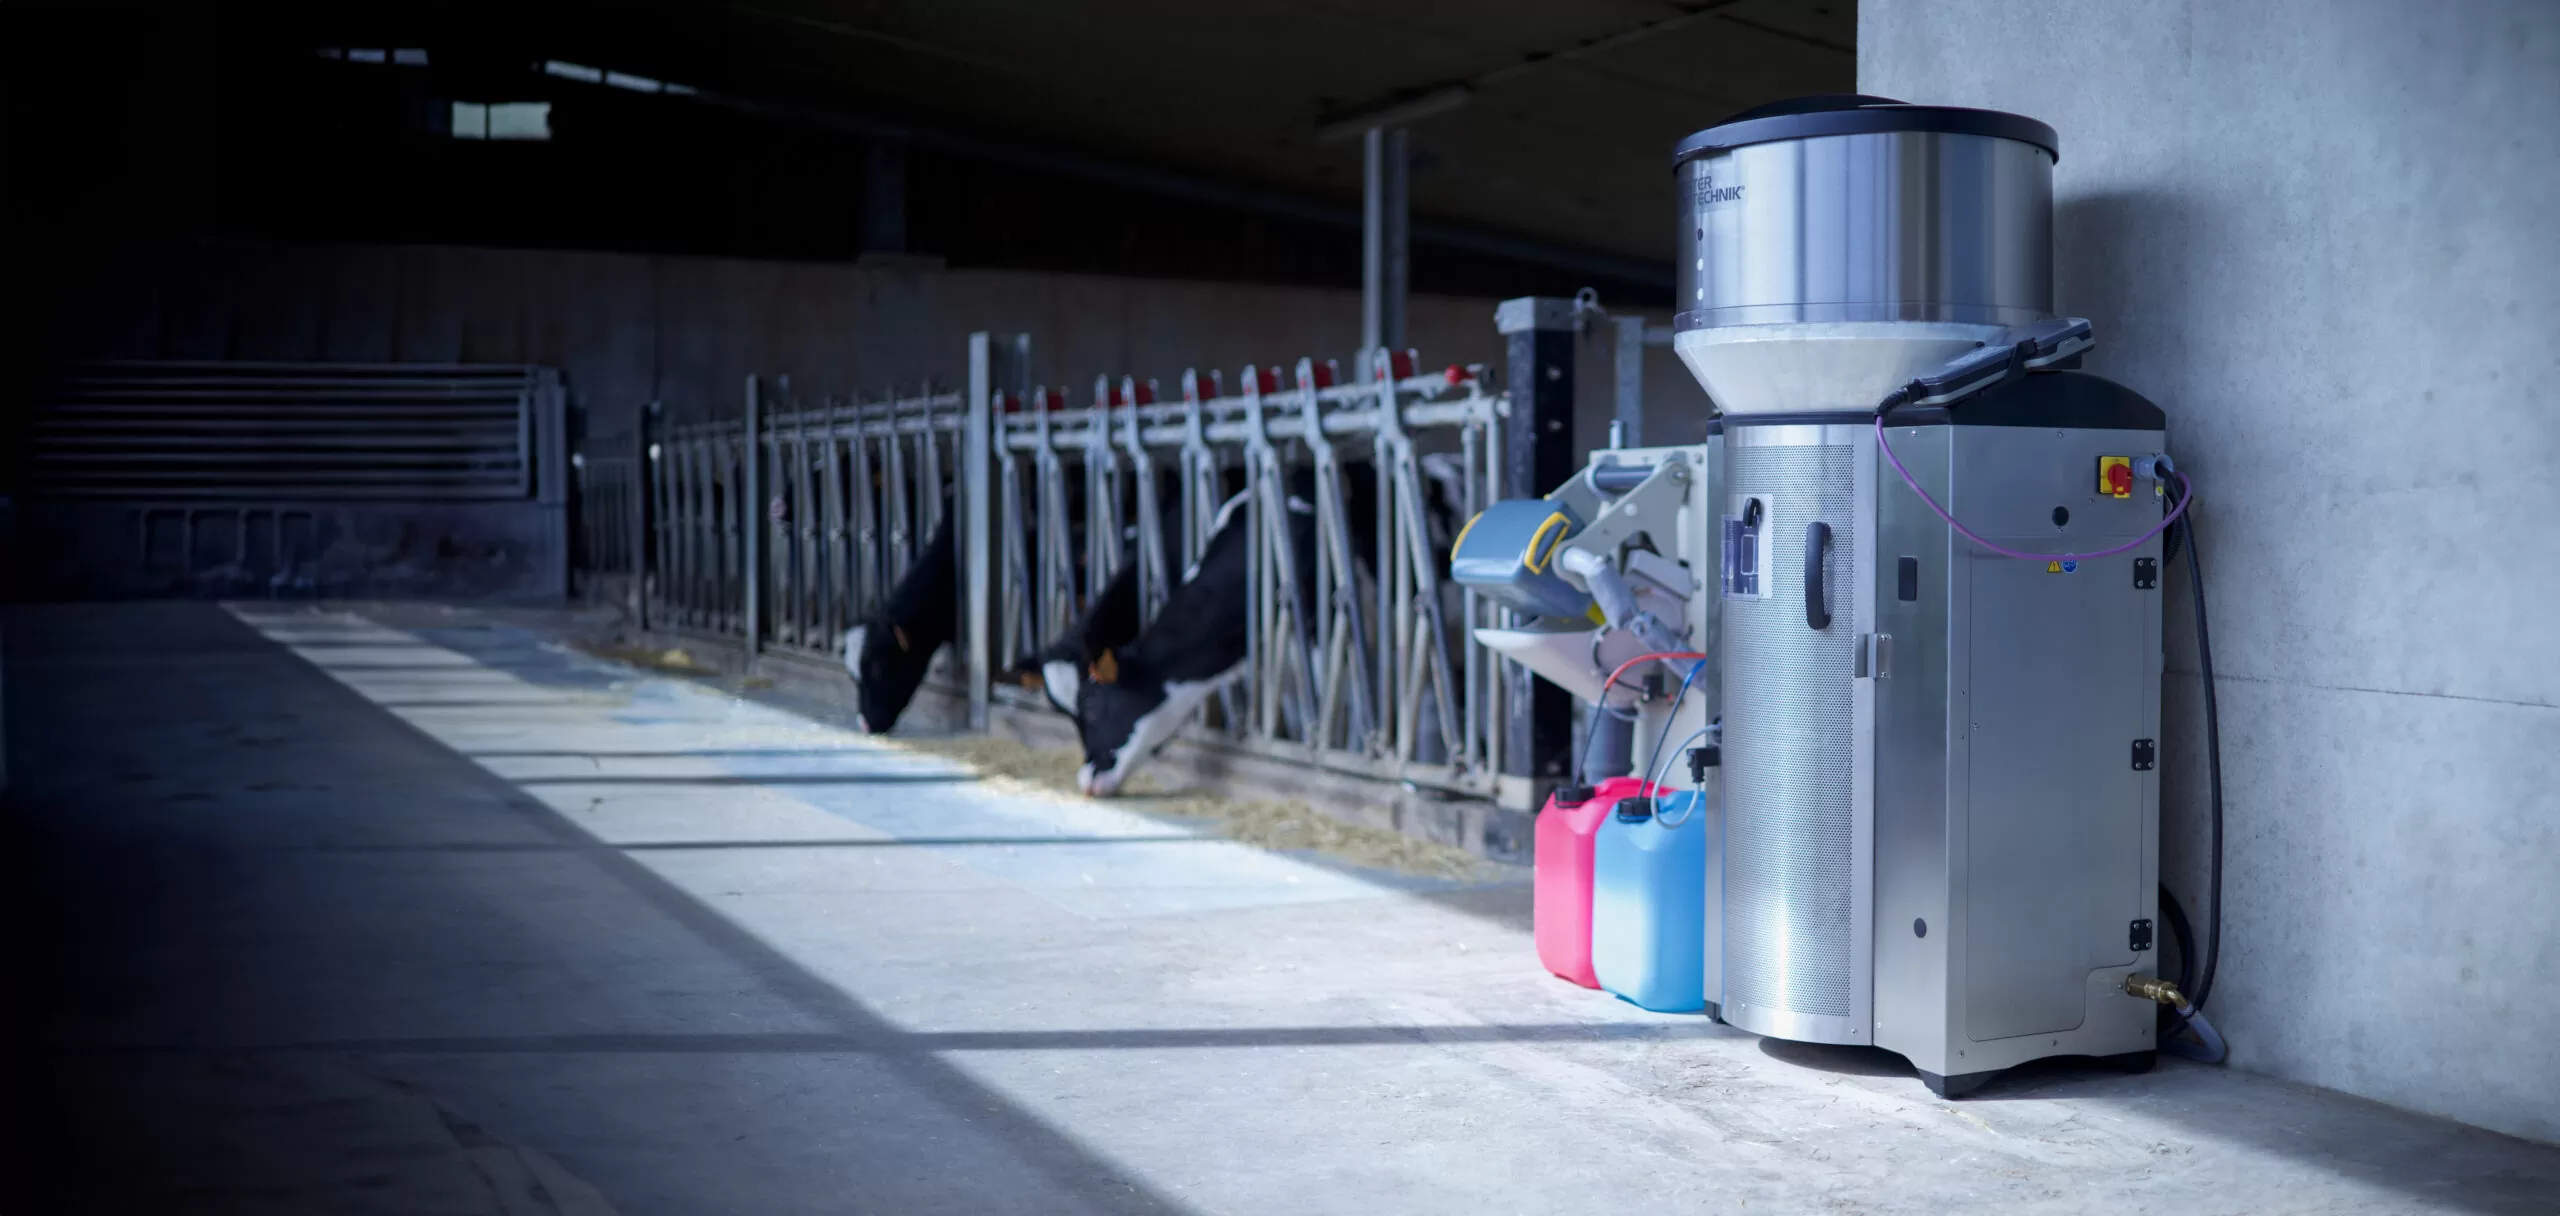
1554	120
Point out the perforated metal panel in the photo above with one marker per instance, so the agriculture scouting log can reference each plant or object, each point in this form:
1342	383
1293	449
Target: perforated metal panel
1789	746
330	432
356	480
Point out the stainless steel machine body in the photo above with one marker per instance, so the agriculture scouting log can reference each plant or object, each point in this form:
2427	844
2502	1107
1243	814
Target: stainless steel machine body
1936	820
1833	247
1942	820
1869	225
1940	817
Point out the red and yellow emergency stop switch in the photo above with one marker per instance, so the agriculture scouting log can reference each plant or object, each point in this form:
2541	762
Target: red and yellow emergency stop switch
2115	476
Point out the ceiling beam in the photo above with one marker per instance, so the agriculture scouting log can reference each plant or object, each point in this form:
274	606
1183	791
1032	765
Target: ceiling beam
1166	183
1370	114
1393	113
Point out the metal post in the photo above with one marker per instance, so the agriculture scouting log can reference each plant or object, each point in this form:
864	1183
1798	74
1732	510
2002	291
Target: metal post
1384	214
977	500
643	471
1627	427
550	437
1538	341
751	521
884	197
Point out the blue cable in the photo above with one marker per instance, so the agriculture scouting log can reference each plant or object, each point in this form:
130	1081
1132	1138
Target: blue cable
1656	769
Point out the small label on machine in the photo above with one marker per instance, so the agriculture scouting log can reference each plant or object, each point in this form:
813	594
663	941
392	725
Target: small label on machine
1747	548
1741	559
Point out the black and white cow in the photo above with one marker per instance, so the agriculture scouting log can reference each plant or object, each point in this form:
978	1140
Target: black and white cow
1091	645
1198	640
1196	644
887	653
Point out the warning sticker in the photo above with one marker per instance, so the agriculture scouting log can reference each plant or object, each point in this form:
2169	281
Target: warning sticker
2062	567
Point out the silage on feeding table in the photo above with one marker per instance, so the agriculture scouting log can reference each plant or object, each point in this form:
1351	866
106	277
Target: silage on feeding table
1282	826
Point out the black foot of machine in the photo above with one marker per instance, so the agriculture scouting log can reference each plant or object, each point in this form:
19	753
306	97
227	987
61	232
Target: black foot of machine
1926	557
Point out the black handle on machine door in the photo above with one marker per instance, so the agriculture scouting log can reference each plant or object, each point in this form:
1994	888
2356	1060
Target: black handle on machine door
1817	559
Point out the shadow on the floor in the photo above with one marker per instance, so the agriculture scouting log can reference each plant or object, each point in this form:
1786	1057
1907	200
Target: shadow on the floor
555	703
543	663
678	846
2036	1079
891	1042
195	932
1505	903
704	753
1846	1061
738	779
2445	1165
2427	1161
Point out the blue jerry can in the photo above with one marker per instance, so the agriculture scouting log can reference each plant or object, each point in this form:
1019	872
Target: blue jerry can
1649	902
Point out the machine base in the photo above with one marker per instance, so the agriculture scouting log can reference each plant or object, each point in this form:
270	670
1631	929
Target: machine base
1958	1085
1715	1013
1964	1083
2135	1062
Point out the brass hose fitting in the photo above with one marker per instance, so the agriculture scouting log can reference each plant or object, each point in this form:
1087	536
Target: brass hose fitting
2153	988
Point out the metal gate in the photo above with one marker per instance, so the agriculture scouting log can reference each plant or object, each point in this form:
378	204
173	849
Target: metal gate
780	526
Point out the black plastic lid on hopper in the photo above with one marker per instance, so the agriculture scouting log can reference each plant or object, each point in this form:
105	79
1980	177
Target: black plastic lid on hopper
1857	114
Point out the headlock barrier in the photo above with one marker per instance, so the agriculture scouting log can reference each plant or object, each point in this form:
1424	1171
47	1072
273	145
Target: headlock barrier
790	523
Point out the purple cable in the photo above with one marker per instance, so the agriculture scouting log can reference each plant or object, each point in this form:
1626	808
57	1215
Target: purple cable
2186	494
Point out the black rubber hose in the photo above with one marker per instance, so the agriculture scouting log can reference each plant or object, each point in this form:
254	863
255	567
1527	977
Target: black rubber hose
2213	766
2182	933
1591	736
2175	914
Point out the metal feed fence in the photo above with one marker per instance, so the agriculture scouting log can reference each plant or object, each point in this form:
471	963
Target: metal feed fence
783	526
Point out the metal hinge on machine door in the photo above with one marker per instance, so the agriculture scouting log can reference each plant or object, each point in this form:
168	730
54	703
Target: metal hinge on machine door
1872	659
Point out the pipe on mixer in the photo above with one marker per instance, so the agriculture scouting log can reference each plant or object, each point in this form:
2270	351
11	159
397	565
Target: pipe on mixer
1617	601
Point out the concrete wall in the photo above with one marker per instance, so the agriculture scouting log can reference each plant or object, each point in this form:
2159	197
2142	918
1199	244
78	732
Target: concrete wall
2321	234
628	328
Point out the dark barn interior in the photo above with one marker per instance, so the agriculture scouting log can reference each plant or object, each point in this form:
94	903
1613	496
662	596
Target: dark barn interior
479	484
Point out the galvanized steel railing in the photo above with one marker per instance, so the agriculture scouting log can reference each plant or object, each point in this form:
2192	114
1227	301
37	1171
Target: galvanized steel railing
781	527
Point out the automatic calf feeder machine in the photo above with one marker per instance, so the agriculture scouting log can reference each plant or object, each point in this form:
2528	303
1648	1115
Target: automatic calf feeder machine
1924	552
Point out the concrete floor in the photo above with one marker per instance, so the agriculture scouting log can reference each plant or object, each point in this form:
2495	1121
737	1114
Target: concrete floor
325	916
